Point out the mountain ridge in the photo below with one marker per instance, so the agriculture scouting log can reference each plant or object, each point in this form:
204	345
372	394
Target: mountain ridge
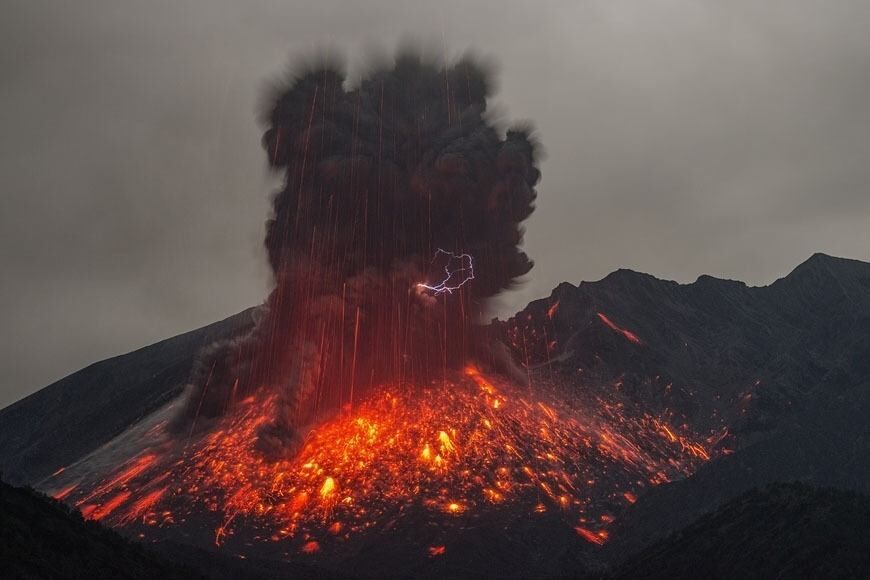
779	374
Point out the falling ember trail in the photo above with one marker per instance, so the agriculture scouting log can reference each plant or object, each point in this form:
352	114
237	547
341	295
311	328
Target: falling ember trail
552	310
110	506
629	335
61	494
595	538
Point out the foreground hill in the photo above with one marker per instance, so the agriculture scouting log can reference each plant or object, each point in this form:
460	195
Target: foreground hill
42	538
781	531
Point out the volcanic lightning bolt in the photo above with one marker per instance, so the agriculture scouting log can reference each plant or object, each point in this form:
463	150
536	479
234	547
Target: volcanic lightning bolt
458	269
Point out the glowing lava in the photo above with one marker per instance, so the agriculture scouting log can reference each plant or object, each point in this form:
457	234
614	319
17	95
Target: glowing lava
629	335
445	453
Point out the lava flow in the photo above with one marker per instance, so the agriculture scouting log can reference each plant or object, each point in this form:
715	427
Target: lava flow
445	454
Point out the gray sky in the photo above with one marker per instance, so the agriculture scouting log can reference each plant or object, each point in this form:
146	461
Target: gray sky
683	137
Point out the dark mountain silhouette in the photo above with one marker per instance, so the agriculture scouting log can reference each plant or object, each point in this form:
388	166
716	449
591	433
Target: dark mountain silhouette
779	374
42	538
730	353
785	368
781	531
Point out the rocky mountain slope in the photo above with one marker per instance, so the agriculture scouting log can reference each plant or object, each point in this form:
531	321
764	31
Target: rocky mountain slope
785	368
779	376
780	531
73	416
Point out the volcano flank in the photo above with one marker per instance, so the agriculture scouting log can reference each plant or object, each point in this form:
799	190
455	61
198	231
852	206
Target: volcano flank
643	405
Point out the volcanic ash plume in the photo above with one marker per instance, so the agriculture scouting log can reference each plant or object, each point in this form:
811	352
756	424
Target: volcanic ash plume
399	216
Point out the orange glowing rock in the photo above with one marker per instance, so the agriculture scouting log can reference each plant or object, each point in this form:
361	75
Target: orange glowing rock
355	472
446	443
328	488
144	504
591	537
435	551
311	547
629	335
62	493
551	311
110	506
629	497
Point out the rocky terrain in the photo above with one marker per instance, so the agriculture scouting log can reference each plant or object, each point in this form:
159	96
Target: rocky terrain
778	376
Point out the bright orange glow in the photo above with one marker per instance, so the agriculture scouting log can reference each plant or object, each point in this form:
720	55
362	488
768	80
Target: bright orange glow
436	451
551	311
629	335
110	506
143	505
328	488
61	494
591	536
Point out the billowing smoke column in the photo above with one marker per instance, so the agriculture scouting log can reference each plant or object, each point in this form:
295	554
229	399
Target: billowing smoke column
399	216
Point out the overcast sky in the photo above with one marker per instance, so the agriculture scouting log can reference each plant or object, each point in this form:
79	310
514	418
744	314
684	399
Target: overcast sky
730	138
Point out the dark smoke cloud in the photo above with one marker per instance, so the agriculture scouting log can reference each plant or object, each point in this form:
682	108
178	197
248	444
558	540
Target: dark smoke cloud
382	180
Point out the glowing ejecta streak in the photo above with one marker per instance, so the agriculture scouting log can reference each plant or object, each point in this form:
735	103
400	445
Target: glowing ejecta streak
456	277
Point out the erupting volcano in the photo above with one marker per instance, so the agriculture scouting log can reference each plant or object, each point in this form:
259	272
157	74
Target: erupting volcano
366	399
399	217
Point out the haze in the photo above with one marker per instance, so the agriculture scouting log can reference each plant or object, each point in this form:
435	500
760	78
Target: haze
682	138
